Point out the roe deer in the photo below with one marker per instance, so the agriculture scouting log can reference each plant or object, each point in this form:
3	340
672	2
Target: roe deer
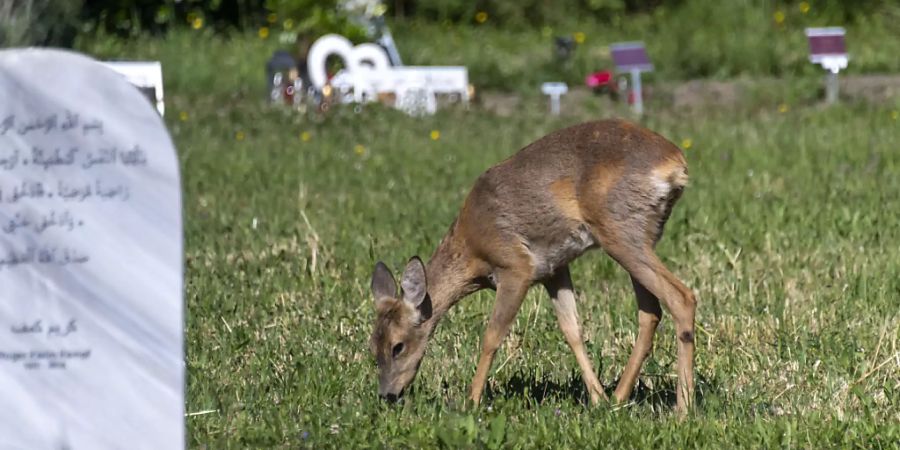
610	184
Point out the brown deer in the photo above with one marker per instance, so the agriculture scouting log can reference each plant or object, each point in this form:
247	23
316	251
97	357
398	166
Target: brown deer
610	184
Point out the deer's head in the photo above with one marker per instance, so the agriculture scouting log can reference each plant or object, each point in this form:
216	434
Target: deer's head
398	341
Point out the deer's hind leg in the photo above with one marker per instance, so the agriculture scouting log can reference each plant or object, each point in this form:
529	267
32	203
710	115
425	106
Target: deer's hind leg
649	271
559	286
649	314
628	226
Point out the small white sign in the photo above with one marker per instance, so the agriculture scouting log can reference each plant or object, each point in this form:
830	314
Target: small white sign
144	75
555	90
91	309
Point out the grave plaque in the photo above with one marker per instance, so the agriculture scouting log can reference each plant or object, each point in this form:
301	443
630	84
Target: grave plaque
827	48
631	57
91	309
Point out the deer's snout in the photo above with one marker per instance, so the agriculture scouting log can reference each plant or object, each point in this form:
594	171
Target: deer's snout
390	395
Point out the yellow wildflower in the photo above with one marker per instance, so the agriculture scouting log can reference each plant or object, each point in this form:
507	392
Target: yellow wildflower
288	24
435	135
481	17
359	149
272	18
804	7
779	17
687	143
305	136
239	136
263	32
579	37
783	108
183	116
197	23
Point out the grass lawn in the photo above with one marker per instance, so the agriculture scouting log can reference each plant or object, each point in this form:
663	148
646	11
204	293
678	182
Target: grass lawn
788	233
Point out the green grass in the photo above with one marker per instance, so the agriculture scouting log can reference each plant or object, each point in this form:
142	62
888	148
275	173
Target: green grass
788	233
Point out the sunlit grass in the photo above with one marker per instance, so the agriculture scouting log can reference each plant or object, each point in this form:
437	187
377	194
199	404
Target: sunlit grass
787	233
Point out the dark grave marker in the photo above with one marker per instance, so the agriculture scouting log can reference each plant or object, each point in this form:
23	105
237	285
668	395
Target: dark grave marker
828	49
631	57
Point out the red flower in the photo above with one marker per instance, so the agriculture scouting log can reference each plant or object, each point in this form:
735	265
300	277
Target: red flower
598	79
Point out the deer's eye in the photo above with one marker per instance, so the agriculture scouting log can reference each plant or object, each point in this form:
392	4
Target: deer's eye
397	350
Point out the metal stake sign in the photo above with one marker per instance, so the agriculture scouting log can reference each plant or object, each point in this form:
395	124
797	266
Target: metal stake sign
555	90
631	57
827	48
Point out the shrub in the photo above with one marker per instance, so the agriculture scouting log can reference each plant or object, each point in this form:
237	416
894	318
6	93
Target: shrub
38	22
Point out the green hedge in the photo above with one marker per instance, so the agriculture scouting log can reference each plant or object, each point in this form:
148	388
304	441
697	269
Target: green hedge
133	17
38	22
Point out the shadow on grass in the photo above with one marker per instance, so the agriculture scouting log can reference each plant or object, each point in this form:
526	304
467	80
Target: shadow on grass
661	396
529	386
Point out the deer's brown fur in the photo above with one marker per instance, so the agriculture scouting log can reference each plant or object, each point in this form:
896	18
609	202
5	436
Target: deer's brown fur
610	184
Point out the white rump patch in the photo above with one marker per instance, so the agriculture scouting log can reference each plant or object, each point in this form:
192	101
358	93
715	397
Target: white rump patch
661	187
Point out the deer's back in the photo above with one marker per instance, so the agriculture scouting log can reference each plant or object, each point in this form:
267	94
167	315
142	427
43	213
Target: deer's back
552	195
577	151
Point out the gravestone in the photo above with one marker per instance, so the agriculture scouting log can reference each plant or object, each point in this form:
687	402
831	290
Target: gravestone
631	57
91	309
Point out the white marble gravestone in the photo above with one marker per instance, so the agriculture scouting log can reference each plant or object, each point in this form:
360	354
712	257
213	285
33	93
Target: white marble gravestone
91	309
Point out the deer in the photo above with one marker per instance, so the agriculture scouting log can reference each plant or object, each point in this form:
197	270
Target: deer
609	184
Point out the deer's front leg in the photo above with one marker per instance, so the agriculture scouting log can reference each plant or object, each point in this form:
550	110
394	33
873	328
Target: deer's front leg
511	290
563	297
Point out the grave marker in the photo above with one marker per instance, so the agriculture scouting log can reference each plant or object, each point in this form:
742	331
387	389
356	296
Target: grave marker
631	57
146	76
555	90
91	309
368	73
827	48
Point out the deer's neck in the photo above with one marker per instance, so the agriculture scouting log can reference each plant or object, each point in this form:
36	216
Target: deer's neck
449	278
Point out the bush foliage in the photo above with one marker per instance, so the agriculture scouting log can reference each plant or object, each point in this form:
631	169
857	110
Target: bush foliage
137	16
506	44
35	22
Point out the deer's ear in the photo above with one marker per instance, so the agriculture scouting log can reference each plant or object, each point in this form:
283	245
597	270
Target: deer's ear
413	283
383	284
